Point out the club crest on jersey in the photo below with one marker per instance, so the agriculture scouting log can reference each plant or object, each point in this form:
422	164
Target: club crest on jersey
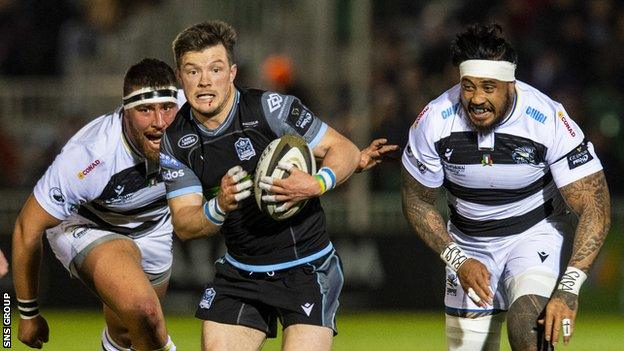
524	155
57	196
487	160
207	298
244	149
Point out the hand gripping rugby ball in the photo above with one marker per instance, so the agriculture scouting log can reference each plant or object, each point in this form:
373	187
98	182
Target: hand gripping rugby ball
289	148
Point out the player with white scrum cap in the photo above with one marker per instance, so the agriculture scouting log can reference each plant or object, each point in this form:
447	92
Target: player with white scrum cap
102	204
510	159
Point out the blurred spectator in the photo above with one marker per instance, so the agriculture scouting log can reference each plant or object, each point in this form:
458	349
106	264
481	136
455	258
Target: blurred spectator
278	73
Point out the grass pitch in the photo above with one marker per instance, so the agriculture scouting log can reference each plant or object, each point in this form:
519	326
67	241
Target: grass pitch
394	331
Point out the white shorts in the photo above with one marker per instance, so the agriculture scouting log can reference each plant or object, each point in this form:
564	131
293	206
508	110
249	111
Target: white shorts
71	243
521	264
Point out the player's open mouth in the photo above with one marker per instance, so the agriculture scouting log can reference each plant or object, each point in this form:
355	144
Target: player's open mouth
154	139
480	112
206	96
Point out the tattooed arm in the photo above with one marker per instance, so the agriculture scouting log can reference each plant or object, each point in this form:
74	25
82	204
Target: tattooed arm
419	210
588	198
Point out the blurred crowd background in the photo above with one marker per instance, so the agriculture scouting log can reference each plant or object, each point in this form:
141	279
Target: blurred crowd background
367	67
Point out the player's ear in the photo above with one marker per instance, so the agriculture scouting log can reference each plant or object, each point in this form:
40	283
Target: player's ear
233	70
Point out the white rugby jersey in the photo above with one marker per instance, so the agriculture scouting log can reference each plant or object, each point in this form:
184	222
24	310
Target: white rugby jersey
99	180
503	182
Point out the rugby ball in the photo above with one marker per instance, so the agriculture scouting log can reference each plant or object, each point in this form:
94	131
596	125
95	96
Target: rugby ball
289	148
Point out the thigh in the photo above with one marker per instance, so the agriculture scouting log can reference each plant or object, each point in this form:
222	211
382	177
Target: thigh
309	294
233	298
302	337
113	269
534	263
156	253
228	337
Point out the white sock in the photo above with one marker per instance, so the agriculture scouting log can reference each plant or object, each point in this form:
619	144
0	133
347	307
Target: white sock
108	344
169	347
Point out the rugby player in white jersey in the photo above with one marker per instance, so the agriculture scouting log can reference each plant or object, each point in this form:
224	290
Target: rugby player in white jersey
510	159
102	205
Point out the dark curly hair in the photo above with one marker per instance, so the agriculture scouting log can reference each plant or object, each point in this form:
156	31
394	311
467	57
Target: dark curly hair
148	72
482	42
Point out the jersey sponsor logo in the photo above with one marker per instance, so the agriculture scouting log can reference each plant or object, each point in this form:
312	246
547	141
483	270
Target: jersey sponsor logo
207	298
80	232
542	255
251	124
168	161
299	117
457	170
561	116
274	101
579	156
244	149
451	111
119	200
535	114
420	115
171	174
188	141
524	155
82	174
56	195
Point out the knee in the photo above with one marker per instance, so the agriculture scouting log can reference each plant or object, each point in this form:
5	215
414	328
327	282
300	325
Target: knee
522	328
144	312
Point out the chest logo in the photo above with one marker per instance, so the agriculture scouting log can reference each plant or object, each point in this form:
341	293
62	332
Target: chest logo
188	141
524	155
244	149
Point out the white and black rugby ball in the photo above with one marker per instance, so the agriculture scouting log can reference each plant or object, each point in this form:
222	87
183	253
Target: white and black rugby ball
289	148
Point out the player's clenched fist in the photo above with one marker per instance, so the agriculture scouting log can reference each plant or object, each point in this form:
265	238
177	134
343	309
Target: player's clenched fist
235	187
33	332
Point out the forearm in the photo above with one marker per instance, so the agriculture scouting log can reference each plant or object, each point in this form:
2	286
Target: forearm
26	262
589	199
419	210
191	222
343	159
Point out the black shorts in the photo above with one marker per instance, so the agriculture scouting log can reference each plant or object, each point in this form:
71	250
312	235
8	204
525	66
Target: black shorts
306	294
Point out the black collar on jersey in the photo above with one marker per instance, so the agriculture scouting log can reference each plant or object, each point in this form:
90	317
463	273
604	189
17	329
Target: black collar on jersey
152	94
